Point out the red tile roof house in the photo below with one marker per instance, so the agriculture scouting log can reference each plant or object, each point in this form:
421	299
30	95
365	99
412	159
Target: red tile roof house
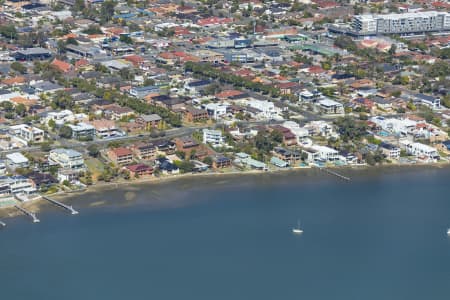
120	156
214	21
136	60
286	87
61	66
138	170
289	138
228	94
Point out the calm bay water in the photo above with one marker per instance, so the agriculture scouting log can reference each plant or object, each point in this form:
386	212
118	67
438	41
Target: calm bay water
380	236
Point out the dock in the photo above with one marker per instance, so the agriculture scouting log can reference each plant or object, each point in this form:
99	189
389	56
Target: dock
62	205
28	213
335	174
2	224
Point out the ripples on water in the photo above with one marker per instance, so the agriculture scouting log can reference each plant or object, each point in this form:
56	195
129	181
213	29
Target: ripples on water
380	236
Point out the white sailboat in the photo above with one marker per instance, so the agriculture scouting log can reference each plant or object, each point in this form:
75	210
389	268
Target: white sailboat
297	230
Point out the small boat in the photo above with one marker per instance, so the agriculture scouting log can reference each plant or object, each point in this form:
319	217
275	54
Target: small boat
448	232
297	230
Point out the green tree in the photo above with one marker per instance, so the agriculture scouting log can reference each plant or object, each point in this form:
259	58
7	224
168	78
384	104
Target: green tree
18	67
21	110
65	132
126	39
345	42
208	160
52	124
46	147
93	150
8	31
107	10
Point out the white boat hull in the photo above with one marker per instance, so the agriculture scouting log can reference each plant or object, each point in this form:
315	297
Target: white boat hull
297	231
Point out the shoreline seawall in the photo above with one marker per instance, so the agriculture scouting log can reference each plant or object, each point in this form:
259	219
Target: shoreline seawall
202	179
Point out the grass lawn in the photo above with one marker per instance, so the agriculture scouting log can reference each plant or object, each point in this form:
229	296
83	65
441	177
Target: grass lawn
95	166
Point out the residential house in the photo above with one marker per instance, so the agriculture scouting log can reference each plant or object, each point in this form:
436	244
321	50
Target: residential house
329	106
187	145
390	151
289	138
16	160
149	121
286	155
216	110
166	166
83	131
139	170
116	112
145	151
61	66
220	161
430	101
120	156
213	137
67	159
279	162
245	160
106	128
28	133
321	153
42	180
10	185
166	147
195	115
68	175
419	149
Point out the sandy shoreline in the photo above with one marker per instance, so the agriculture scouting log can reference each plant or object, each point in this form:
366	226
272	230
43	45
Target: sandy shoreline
39	205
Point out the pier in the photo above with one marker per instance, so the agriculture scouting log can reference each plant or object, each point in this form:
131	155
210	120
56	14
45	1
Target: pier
28	213
62	205
335	174
2	224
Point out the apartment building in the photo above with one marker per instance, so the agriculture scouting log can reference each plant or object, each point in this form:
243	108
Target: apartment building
413	22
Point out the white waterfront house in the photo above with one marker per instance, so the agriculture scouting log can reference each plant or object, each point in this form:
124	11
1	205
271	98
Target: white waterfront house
390	151
419	149
67	158
325	153
396	126
15	185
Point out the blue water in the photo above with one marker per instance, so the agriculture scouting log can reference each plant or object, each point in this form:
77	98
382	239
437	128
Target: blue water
381	236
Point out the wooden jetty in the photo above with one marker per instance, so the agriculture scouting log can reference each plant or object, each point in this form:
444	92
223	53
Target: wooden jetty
330	172
28	213
62	205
